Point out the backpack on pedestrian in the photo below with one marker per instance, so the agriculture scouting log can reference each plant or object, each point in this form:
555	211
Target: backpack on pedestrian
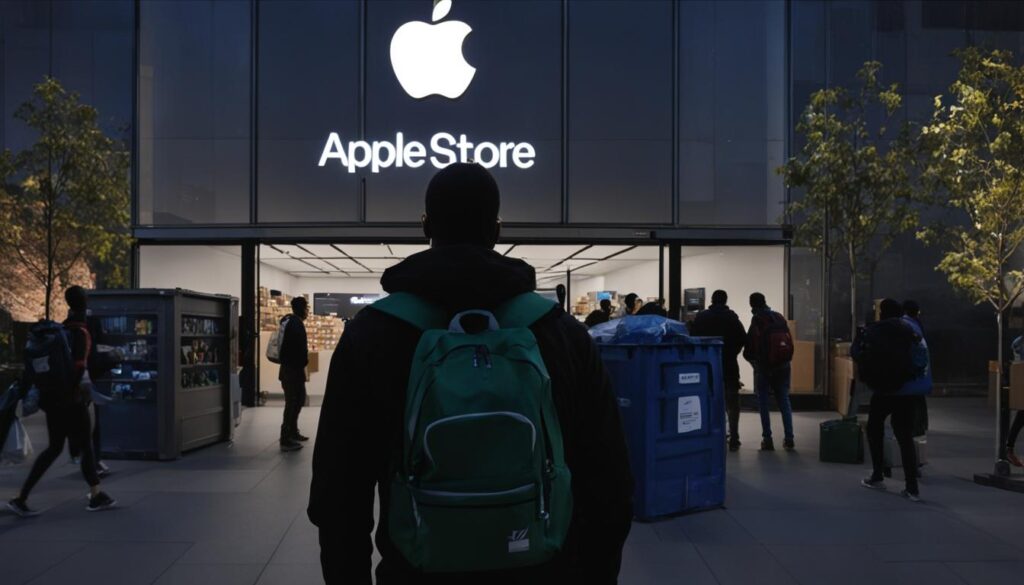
481	482
276	341
49	365
776	340
887	356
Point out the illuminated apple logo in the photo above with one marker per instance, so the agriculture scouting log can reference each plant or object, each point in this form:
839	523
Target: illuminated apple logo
427	58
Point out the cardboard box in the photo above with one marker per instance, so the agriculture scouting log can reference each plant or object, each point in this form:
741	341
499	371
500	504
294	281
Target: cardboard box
1017	386
314	363
803	367
842	376
842	349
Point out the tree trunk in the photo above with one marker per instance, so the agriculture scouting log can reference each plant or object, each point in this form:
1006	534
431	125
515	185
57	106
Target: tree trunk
853	293
49	258
1000	443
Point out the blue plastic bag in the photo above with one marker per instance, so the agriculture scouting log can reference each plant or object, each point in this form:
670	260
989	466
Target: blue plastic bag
30	403
642	329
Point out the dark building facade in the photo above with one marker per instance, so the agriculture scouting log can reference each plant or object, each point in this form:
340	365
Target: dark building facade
658	122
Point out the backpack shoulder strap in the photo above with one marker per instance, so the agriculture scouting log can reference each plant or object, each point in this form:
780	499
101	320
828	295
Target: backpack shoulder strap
413	310
523	310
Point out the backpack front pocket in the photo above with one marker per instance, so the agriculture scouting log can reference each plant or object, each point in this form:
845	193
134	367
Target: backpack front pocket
462	531
490	447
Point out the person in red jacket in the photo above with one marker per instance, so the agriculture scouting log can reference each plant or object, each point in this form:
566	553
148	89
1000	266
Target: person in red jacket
67	416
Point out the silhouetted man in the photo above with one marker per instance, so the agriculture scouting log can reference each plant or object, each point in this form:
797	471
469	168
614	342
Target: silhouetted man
362	427
720	321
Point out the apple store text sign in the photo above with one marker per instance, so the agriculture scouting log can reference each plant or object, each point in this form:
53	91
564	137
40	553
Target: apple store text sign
444	150
427	60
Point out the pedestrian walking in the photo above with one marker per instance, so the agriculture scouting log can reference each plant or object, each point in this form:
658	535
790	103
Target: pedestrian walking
56	363
890	362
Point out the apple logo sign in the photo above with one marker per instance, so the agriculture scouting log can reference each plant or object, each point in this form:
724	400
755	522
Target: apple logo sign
427	58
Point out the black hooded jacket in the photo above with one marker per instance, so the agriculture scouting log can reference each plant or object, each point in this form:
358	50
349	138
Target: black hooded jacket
361	422
721	321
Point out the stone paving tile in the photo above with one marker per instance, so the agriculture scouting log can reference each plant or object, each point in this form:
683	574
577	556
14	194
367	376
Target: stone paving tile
296	574
854	565
920	551
22	561
211	575
744	565
989	573
124	563
664	562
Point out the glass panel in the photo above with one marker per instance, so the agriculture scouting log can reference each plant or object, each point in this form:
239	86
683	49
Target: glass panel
620	112
194	114
732	124
135	378
308	87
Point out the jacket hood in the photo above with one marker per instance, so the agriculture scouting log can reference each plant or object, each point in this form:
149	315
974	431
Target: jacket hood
460	277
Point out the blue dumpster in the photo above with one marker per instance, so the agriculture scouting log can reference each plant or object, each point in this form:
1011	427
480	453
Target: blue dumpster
671	397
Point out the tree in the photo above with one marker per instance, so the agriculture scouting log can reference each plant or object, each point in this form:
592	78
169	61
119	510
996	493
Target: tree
65	198
858	192
974	164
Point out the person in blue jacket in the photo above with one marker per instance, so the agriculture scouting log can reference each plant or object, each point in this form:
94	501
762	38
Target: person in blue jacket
900	404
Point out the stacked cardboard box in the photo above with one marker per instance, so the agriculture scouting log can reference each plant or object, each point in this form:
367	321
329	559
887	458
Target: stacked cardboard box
803	367
1017	386
322	331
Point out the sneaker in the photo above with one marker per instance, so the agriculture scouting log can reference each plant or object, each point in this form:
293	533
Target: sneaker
789	445
734	446
100	501
290	445
299	437
873	484
1013	458
20	507
102	469
767	445
911	496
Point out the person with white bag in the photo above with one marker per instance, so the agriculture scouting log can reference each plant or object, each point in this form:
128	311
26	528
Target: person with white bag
55	362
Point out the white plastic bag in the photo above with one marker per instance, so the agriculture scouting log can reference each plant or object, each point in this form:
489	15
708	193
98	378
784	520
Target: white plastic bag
17	447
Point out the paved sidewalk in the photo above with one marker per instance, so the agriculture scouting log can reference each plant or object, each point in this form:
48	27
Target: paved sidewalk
234	514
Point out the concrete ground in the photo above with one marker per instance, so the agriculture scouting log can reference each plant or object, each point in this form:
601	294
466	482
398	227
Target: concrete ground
234	514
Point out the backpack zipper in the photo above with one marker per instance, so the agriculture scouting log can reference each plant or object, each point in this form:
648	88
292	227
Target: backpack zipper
514	415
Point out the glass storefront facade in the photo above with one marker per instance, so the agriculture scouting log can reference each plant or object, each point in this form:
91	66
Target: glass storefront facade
659	121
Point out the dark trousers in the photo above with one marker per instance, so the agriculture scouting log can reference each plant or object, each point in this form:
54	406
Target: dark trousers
294	384
73	446
70	423
903	410
732	407
1015	429
774	382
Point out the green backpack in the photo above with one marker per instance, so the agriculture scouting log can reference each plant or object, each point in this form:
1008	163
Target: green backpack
481	484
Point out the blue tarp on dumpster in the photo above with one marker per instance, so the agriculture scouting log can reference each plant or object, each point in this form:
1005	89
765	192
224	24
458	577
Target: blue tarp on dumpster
672	402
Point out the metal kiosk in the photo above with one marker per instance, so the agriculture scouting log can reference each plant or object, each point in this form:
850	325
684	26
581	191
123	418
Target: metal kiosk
172	391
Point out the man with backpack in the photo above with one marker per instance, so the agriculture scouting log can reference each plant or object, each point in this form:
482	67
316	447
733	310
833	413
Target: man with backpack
294	358
890	362
721	321
56	359
769	348
480	413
